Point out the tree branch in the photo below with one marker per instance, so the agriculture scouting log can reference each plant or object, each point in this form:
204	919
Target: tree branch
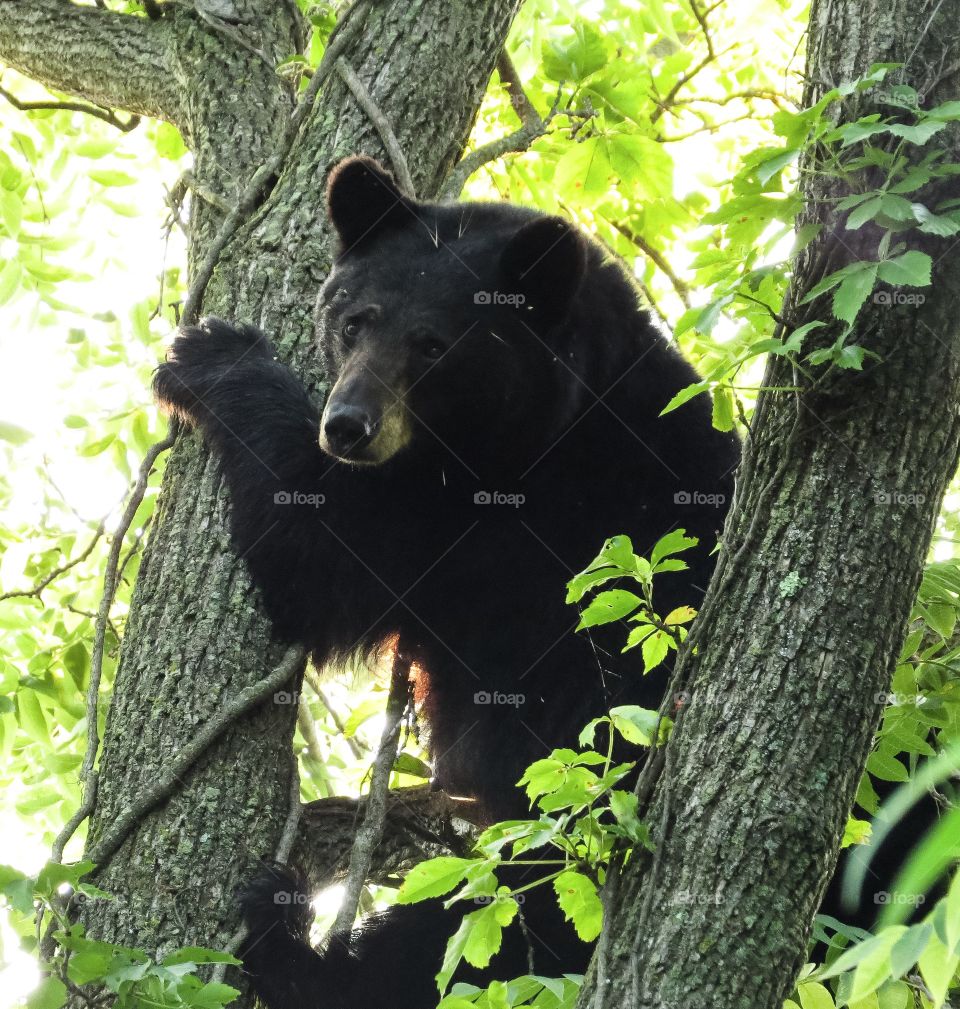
109	59
371	830
107	115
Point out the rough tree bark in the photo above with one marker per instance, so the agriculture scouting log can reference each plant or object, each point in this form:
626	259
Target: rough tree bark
823	555
196	635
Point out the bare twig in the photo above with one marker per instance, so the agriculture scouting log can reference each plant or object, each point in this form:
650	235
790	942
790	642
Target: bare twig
524	108
356	747
383	127
371	830
205	192
163	787
312	738
657	258
732	96
270	169
106	115
532	129
37	589
88	775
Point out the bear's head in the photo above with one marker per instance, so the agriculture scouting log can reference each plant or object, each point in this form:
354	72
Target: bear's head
442	326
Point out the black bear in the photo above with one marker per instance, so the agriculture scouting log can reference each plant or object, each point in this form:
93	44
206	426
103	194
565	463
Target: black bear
494	416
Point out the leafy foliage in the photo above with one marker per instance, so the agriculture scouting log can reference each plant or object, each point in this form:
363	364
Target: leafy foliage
661	101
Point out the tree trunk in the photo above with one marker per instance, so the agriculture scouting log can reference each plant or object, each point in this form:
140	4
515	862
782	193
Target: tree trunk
196	636
800	630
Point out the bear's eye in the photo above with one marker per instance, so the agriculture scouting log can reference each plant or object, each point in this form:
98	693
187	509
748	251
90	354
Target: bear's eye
432	349
350	332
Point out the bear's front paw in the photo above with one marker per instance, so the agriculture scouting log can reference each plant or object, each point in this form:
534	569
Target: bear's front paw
276	894
200	358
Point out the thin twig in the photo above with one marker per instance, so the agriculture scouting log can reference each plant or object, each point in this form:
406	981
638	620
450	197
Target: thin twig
356	746
190	752
365	100
106	115
88	776
371	830
520	140
519	99
250	198
311	737
658	259
57	572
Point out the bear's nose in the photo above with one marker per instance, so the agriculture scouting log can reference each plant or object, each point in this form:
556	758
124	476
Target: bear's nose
348	429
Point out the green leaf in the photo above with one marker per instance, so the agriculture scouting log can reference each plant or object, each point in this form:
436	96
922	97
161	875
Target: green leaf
637	725
937	967
486	934
110	177
765	170
584	168
723	408
907	949
14	434
911	269
853	291
32	719
676	541
574	56
579	902
10	274
608	607
169	143
684	395
946	111
655	649
644	166
885	767
814	995
433	878
865	212
50	993
920	132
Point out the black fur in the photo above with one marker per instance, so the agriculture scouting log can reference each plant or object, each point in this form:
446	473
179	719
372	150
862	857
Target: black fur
476	349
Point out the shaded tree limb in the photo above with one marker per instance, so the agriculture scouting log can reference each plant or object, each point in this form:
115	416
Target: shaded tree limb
88	774
371	829
397	158
186	757
519	98
419	823
105	115
117	61
36	590
271	168
657	258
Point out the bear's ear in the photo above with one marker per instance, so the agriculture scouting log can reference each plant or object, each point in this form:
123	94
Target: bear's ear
545	262
363	201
